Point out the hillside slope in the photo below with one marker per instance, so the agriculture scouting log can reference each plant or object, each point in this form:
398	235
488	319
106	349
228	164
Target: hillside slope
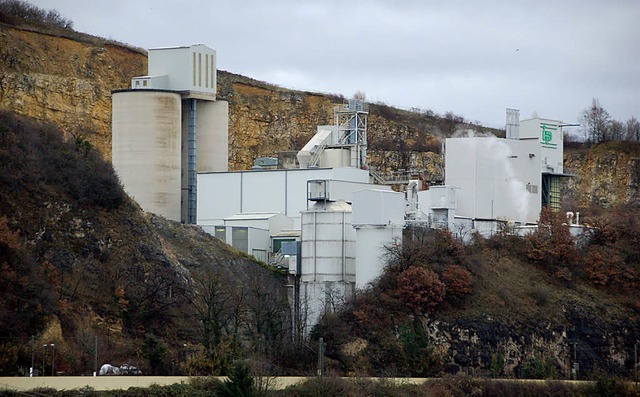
493	308
80	260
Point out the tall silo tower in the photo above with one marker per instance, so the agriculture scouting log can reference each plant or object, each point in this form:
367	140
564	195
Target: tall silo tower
167	128
328	263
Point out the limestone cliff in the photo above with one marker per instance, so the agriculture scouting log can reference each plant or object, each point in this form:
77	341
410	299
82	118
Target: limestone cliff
67	78
605	175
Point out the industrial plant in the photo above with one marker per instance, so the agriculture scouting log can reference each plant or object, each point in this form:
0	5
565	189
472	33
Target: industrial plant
325	221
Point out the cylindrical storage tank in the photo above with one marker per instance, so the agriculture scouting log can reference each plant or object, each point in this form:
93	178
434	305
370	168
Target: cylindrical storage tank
336	157
146	140
213	136
328	243
370	251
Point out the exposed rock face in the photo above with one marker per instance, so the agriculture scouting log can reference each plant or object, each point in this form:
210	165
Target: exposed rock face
69	81
605	176
64	81
539	349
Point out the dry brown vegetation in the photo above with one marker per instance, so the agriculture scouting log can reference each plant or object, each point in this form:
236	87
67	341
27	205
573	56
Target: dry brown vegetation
503	288
79	261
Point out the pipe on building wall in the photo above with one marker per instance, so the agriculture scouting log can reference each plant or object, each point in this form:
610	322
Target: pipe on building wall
315	246
191	163
344	256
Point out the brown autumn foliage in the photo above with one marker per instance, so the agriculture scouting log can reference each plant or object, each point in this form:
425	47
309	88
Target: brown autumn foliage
457	281
611	254
424	247
551	246
421	289
8	237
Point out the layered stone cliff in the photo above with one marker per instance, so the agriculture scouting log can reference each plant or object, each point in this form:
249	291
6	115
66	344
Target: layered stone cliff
67	78
65	81
605	176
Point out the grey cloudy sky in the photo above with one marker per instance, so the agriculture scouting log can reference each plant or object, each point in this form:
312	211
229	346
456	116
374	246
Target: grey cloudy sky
474	58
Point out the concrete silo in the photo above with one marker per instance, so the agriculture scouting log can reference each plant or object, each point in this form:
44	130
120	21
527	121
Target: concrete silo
328	248
213	132
146	140
193	129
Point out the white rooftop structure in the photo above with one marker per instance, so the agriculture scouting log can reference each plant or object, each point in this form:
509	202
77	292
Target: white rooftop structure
190	70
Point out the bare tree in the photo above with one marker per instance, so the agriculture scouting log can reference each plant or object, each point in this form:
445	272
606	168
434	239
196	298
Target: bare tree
217	309
595	121
616	131
632	128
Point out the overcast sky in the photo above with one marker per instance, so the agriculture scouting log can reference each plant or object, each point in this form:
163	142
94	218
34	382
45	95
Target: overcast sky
474	58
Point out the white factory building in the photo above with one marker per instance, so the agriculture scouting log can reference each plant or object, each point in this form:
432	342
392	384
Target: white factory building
326	222
490	180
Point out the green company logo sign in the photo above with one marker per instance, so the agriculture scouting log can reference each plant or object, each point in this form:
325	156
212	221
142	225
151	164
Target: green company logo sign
548	130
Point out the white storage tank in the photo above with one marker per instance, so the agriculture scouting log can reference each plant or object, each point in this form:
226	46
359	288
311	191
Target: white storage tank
336	157
328	243
378	218
146	148
211	142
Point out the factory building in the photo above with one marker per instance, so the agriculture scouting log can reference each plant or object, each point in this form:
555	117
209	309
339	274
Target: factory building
325	221
489	180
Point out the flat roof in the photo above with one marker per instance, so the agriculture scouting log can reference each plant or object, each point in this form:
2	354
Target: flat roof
247	216
288	233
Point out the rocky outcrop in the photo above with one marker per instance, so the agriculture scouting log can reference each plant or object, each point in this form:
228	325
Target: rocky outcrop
65	81
68	79
543	349
604	176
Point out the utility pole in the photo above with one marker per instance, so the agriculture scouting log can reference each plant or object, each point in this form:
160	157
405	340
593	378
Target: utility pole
635	364
321	357
33	355
44	353
95	355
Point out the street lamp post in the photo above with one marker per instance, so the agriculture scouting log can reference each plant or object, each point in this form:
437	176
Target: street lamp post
44	353
53	358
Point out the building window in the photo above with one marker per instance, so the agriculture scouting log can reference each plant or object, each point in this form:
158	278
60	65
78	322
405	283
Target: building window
199	70
144	83
194	69
240	238
260	255
221	233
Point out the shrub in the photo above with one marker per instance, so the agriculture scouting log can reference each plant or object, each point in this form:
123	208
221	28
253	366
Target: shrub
421	289
12	10
457	281
551	245
239	384
34	156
